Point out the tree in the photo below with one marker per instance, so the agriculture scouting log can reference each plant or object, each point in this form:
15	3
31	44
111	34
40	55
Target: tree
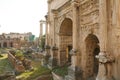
42	42
31	38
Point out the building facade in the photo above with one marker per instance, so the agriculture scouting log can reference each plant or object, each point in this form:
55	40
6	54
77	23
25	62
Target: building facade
85	33
15	40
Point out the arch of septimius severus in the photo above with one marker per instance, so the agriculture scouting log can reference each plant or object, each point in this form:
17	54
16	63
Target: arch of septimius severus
86	34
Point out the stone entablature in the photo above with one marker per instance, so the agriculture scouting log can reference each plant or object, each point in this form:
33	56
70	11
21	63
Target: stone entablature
55	4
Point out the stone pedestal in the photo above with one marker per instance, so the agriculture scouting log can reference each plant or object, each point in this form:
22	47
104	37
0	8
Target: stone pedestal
52	63
53	59
105	67
47	49
74	73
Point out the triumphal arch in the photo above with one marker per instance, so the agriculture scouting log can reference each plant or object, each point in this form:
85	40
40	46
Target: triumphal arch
86	35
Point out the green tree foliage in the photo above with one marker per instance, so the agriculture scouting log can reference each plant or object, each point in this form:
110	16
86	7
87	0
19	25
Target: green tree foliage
31	38
42	42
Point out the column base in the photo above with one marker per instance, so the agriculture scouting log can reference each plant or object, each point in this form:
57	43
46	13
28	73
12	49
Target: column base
102	74
45	60
52	63
105	66
74	73
105	78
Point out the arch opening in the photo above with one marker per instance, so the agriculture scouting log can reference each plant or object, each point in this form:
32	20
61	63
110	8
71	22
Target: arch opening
0	45
11	44
65	41
5	44
92	49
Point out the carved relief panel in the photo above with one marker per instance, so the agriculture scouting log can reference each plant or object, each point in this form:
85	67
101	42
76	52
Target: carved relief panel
89	15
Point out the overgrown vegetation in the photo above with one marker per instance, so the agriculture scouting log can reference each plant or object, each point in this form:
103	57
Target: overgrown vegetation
38	71
4	64
62	71
19	55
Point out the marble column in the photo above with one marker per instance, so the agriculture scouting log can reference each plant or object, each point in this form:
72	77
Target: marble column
75	33
117	9
46	31
104	65
103	25
41	29
74	73
103	37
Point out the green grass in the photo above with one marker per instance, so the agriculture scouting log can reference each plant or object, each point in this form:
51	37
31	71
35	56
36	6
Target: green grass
61	71
4	64
28	75
31	75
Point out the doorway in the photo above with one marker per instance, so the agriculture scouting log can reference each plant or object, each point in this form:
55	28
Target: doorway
92	49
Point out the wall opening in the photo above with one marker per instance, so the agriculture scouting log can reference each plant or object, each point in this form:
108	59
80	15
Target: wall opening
92	49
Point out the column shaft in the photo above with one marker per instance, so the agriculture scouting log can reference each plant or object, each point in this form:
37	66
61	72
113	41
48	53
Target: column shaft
103	25
46	31
41	29
75	33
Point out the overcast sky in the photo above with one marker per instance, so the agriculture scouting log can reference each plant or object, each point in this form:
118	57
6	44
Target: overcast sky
22	15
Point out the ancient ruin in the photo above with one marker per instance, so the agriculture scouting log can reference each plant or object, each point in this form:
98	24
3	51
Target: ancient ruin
15	40
85	33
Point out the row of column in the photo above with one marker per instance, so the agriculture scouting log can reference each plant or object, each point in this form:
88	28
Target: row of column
46	29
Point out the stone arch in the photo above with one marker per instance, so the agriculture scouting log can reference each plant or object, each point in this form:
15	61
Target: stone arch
61	19
5	44
92	49
66	27
11	44
65	41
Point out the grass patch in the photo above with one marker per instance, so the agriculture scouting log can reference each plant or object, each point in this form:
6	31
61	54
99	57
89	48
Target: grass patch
38	71
61	71
4	64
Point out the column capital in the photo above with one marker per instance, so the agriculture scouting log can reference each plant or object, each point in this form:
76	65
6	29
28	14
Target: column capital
46	17
73	52
75	3
105	57
55	12
49	1
42	21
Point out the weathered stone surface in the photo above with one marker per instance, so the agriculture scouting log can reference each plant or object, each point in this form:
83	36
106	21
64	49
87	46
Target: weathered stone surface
89	27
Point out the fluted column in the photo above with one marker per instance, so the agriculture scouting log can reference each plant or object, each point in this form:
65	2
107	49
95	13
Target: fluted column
104	57
103	25
46	31
41	29
103	37
75	33
74	70
118	12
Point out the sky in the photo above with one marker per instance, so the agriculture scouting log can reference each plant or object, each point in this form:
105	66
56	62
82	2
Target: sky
22	16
